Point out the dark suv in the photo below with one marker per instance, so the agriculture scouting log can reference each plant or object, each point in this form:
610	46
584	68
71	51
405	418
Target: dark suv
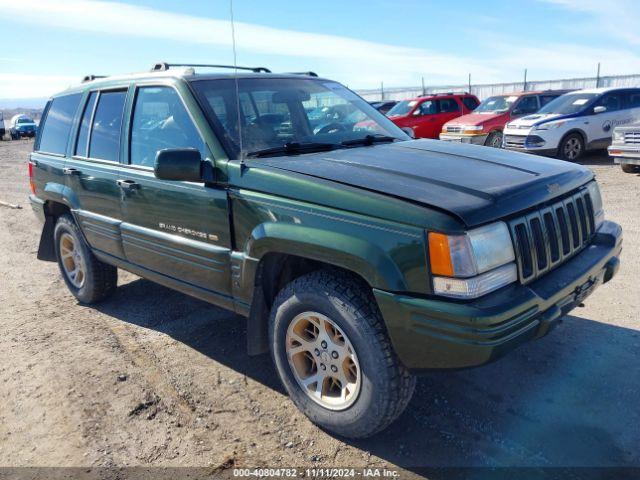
359	256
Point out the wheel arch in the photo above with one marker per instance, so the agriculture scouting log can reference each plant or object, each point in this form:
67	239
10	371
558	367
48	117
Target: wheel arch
282	258
579	131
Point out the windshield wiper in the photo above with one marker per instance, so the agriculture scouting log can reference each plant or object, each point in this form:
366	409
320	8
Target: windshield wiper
368	140
291	148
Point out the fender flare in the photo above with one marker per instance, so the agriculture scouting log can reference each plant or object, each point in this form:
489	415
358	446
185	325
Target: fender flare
351	253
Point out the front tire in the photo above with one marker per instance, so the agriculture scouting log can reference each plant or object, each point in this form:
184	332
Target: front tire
333	355
87	278
571	147
494	140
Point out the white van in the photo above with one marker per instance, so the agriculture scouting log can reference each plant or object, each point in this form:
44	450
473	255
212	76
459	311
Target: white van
574	123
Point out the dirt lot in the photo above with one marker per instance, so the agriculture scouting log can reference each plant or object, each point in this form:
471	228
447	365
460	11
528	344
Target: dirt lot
153	377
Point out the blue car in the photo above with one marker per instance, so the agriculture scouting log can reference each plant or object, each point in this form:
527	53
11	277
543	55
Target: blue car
22	126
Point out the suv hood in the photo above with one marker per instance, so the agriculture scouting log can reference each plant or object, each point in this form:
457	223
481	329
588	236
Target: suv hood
476	118
535	119
476	184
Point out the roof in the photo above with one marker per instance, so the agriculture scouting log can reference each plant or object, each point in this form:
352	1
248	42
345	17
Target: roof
600	90
93	81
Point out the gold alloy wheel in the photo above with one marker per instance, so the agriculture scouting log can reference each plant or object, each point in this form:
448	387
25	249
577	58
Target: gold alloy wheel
72	261
323	361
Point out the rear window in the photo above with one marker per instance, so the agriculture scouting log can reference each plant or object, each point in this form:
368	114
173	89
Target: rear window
56	125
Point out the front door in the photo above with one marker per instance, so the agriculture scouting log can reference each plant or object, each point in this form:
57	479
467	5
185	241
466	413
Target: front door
176	229
426	119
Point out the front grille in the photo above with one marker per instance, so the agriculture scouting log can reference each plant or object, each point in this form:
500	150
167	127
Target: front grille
454	128
514	141
632	137
551	235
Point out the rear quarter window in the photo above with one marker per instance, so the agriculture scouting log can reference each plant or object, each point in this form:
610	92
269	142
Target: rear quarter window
56	125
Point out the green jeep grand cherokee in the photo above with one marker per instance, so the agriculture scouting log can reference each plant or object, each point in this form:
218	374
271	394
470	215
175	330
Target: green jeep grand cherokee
359	256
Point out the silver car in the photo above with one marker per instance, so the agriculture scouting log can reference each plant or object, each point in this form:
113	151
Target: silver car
625	147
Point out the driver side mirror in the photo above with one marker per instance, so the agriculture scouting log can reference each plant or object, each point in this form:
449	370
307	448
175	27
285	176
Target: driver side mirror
183	164
599	109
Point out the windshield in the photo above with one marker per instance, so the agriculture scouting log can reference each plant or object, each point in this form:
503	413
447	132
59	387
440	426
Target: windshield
278	112
24	120
496	104
402	108
567	104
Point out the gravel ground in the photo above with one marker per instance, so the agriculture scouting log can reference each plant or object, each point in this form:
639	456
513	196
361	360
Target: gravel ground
152	377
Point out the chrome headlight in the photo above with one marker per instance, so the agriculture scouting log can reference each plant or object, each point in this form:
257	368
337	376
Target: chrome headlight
618	136
596	201
473	264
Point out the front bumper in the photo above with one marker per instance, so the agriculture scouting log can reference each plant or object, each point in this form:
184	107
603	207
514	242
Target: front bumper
429	333
460	138
625	154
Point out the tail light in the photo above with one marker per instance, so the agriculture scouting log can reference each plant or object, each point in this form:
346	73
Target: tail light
32	184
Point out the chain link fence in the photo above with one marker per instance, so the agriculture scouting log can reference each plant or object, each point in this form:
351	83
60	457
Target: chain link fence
483	91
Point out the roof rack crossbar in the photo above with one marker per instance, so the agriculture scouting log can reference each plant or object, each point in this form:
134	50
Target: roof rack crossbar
91	78
164	66
308	74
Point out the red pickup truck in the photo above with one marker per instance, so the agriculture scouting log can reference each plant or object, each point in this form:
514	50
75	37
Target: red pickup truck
426	115
484	126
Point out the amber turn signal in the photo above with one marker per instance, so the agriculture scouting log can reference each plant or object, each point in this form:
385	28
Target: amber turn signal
440	254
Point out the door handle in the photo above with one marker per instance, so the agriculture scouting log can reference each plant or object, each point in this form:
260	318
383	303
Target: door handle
128	184
71	171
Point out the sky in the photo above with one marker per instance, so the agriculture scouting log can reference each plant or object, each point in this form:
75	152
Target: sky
49	45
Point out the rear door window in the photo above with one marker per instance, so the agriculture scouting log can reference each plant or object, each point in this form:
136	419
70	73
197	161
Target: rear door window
56	125
633	100
448	105
544	99
527	105
107	123
470	102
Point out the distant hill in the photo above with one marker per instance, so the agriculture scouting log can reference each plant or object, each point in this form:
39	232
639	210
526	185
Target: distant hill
22	103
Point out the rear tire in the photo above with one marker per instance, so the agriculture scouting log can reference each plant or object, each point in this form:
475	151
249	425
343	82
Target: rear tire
571	147
630	168
494	140
378	387
87	278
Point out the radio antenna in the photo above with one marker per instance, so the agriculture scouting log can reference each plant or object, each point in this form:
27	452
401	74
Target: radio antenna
235	66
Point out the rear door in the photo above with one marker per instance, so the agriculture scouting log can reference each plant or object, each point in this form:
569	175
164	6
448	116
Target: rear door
91	172
51	148
448	109
176	229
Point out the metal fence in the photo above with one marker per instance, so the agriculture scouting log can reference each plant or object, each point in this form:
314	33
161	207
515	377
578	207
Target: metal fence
486	90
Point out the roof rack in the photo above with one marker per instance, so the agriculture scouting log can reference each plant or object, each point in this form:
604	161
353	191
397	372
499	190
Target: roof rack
91	78
164	66
308	74
435	94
